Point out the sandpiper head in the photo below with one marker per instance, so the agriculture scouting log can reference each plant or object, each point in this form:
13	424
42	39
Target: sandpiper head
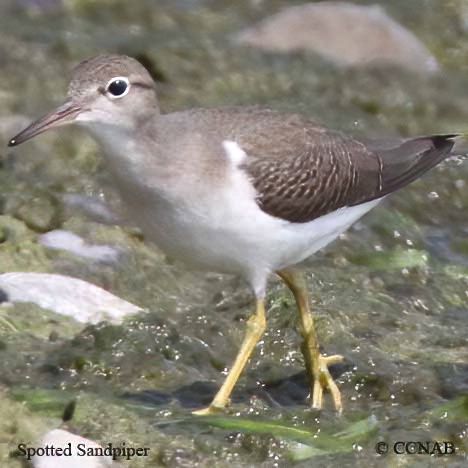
106	89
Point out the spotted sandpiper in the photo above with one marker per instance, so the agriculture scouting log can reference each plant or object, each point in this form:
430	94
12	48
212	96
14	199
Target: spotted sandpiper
242	190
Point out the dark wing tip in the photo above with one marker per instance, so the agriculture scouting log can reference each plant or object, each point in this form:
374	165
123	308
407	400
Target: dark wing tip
442	142
413	158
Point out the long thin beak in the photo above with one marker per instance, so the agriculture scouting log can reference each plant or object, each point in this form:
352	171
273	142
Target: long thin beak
63	115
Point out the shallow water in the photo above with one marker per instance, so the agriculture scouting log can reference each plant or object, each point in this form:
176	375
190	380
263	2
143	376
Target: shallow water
391	296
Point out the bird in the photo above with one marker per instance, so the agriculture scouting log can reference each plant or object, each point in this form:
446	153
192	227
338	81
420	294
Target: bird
243	190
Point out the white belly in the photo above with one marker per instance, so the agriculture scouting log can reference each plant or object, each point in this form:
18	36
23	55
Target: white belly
228	233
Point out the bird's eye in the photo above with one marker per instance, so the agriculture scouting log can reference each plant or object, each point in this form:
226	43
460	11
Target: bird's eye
118	87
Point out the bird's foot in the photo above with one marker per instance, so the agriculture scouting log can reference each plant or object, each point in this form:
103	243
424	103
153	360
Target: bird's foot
324	380
209	410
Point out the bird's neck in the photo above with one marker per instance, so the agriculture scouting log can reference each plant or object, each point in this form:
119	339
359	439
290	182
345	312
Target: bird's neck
139	167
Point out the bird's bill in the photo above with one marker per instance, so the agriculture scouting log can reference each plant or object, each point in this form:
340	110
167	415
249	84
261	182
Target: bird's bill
63	115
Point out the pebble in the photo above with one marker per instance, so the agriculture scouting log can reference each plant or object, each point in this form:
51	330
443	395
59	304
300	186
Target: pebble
61	439
61	239
65	295
347	34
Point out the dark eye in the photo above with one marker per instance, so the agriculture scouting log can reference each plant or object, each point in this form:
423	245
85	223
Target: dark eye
118	87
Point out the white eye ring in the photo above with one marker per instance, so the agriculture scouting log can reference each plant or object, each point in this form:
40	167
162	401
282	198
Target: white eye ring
117	87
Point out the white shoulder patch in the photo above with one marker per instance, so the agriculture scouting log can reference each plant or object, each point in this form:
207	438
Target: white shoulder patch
234	152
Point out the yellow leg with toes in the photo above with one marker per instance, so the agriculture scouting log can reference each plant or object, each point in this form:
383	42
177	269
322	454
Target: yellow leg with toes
255	328
316	364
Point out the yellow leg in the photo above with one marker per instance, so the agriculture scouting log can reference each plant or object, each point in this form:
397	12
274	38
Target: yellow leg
316	364
255	328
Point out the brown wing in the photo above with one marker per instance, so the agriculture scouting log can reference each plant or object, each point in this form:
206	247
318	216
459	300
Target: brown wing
314	171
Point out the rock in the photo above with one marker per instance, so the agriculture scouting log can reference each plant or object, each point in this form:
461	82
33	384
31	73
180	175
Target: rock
70	447
93	208
64	295
61	239
345	33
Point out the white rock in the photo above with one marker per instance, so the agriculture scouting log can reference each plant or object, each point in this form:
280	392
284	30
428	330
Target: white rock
60	239
58	438
64	295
